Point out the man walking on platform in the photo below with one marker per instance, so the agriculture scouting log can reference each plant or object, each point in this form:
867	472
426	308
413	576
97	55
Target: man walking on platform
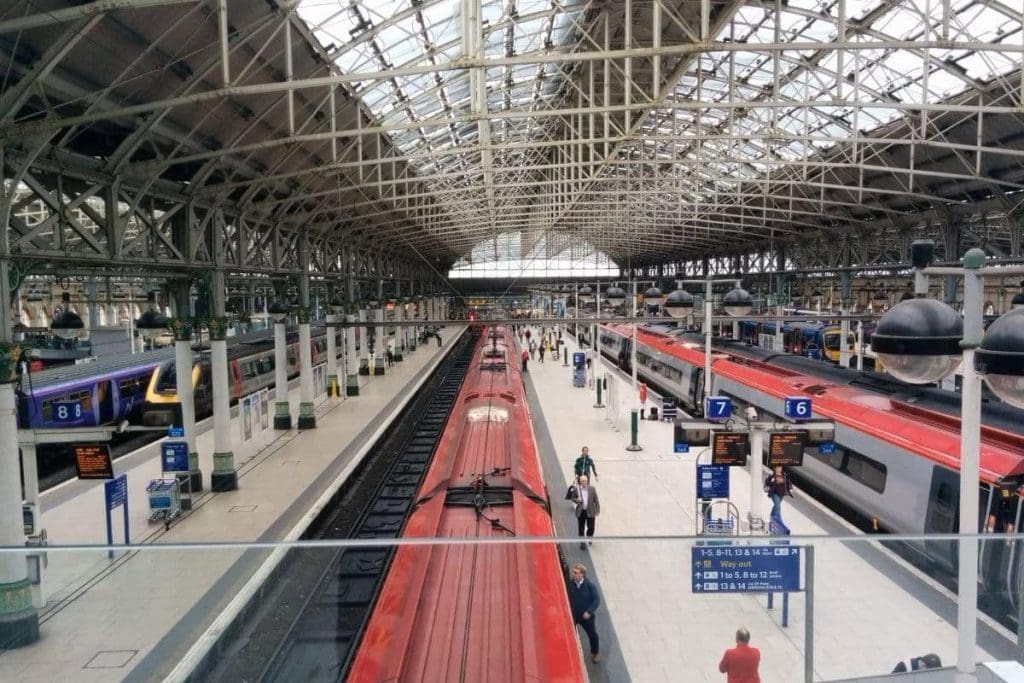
740	663
588	507
583	601
585	465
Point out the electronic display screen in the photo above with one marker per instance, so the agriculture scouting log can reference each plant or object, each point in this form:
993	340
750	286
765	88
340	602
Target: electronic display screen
92	461
786	448
730	448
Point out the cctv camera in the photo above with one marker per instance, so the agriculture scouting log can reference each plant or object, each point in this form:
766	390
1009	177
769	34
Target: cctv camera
751	414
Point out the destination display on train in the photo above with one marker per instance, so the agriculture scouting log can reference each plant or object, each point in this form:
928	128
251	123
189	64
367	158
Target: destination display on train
92	461
745	569
786	448
730	448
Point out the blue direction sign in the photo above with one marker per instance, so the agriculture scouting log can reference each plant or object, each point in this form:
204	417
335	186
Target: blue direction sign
66	411
116	491
797	408
712	481
827	447
174	456
745	569
176	432
718	407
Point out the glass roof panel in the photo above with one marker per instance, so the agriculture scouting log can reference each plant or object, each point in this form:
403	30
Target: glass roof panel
755	126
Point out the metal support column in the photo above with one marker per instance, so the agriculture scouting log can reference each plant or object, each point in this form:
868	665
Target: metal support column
332	351
399	339
225	476
307	415
183	366
19	621
282	410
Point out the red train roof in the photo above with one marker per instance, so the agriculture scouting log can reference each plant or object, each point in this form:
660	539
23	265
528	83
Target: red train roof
917	430
471	611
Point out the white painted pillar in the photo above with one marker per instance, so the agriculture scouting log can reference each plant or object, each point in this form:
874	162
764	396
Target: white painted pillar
19	621
332	352
399	331
225	476
844	334
380	343
756	473
183	368
282	411
364	341
351	359
307	415
780	341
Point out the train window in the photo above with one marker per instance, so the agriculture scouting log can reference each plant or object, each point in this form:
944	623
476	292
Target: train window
48	409
860	468
869	472
129	387
833	460
84	397
166	380
943	512
249	370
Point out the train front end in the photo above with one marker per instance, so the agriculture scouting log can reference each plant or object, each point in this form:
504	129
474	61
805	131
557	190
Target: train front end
162	407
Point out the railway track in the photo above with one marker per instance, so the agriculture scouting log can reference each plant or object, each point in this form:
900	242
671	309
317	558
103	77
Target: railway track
310	620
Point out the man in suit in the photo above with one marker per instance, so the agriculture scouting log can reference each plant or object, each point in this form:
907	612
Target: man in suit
583	601
739	664
588	507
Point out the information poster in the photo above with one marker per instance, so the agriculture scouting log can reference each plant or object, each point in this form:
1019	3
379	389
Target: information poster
257	415
246	418
264	396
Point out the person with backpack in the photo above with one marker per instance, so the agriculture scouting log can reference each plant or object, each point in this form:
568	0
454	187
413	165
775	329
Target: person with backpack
778	485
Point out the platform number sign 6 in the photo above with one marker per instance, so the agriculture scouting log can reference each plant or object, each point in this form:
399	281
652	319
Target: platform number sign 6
67	411
798	408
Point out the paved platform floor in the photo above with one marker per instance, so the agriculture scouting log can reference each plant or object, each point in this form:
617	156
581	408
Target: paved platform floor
870	610
134	616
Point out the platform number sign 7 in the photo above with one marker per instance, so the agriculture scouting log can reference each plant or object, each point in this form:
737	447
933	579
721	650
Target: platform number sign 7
67	411
718	408
798	408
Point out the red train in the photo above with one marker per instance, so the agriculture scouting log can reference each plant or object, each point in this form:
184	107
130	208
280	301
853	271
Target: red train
896	459
477	611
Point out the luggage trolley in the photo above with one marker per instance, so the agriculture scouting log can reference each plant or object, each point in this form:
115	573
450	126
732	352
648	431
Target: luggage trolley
719	518
164	500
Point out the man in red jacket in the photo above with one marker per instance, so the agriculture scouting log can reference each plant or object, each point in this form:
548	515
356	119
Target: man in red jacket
739	664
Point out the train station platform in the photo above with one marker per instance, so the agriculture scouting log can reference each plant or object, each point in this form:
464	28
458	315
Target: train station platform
870	608
136	615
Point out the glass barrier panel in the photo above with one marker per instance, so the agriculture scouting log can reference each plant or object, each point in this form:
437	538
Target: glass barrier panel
663	609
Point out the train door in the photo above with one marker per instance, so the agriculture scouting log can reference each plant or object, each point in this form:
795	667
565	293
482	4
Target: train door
794	341
941	516
203	391
1014	561
997	570
105	402
697	392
